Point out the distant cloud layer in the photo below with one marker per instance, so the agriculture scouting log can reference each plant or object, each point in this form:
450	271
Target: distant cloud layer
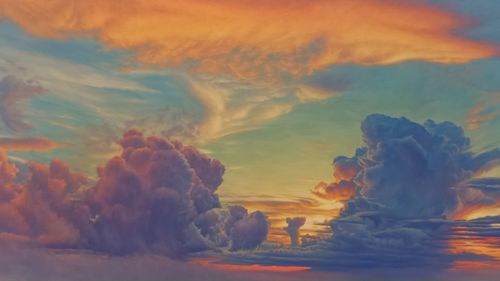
146	199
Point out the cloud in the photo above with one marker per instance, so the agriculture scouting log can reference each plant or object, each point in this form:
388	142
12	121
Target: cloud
343	187
410	181
247	231
147	199
278	208
262	40
13	94
482	112
408	172
233	106
28	144
293	227
40	209
340	191
479	197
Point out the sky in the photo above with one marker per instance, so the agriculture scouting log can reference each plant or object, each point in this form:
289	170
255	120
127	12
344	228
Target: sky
255	102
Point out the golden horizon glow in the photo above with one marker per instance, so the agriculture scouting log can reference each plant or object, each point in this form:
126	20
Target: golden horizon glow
213	263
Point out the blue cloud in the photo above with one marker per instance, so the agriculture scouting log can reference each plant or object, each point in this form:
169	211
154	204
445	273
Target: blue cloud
406	191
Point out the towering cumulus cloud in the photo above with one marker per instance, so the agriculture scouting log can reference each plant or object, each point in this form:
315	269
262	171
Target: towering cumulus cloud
405	188
146	199
411	170
402	193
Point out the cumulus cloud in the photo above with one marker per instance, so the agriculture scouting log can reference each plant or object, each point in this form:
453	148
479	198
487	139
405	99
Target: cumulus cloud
293	227
28	144
407	172
247	231
343	187
410	169
13	94
147	199
407	185
41	209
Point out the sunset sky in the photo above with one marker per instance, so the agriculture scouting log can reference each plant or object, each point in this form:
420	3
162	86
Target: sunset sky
274	90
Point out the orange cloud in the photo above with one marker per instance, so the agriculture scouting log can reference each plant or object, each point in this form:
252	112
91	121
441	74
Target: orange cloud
255	39
29	144
482	112
340	191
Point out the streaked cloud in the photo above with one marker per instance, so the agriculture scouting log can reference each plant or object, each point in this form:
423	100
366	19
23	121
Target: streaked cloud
28	144
482	112
258	39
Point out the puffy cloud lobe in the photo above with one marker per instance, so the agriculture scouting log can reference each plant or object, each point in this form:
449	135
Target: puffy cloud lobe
249	231
41	209
293	227
149	198
411	169
13	93
343	187
341	191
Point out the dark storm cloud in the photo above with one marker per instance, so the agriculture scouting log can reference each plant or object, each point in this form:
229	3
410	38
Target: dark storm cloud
13	94
405	191
407	182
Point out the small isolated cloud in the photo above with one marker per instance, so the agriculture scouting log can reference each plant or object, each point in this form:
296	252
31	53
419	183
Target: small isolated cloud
247	231
28	144
14	92
293	228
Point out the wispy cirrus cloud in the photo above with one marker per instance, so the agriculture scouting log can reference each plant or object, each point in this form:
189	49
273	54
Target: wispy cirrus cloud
259	39
245	61
14	93
482	112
